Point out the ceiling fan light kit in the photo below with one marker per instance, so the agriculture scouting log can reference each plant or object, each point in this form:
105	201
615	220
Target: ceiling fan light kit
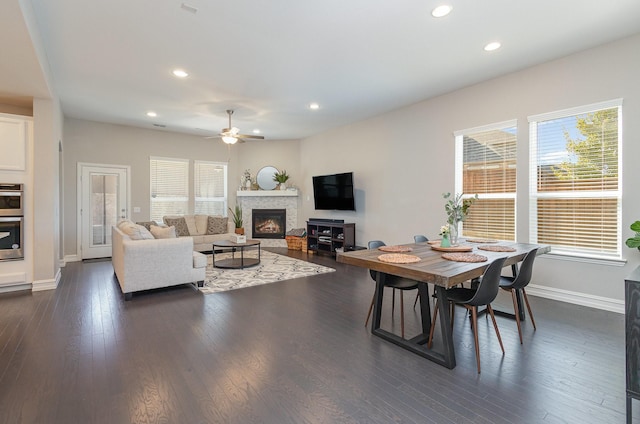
231	135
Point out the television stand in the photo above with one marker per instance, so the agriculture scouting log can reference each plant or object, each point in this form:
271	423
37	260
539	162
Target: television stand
325	236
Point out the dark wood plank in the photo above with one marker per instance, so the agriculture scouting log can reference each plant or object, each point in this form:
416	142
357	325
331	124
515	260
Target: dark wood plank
291	352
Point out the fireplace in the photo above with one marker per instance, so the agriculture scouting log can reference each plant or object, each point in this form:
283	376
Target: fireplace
268	223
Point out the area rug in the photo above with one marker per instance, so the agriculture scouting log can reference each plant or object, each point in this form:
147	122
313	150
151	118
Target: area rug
272	268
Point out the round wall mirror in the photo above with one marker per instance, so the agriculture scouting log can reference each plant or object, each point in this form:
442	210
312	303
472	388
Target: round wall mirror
265	178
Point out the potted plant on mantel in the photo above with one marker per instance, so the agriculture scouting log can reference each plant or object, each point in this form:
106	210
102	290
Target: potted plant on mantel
281	177
237	219
634	241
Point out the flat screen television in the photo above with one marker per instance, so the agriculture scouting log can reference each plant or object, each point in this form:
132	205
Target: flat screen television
334	192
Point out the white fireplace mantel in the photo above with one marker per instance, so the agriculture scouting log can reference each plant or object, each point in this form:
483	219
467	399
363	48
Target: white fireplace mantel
267	193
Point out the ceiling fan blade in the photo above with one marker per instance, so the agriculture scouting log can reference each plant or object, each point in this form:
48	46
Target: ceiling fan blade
256	137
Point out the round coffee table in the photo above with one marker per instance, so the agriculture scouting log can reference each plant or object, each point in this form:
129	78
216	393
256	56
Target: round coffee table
233	262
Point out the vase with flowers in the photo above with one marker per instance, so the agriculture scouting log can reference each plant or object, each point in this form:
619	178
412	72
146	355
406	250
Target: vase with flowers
445	231
457	209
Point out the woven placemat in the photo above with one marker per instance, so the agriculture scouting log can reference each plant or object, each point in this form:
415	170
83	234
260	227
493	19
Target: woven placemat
398	258
479	240
497	248
395	249
464	257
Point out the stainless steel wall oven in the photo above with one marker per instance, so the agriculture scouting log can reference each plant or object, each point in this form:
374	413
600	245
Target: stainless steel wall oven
11	222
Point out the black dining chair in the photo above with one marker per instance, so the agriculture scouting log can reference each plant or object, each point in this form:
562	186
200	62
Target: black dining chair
517	284
393	281
482	295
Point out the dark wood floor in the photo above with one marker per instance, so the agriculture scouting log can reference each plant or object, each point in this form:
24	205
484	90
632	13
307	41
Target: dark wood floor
290	352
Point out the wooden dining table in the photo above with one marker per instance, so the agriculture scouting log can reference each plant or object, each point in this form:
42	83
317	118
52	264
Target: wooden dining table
443	274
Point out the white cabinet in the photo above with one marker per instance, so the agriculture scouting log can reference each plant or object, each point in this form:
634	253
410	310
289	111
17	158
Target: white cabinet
13	143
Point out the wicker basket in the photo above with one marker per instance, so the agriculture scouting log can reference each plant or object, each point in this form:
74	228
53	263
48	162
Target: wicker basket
304	244
294	243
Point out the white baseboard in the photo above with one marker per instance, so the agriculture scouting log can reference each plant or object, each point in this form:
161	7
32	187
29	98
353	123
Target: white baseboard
49	284
19	287
71	258
577	298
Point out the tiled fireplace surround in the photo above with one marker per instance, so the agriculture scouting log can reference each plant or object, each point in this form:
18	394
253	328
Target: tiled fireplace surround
268	199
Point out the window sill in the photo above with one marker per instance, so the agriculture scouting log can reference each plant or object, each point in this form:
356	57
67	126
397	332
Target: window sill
585	259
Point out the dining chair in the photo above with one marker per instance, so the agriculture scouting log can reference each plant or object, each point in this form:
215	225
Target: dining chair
393	281
517	283
482	295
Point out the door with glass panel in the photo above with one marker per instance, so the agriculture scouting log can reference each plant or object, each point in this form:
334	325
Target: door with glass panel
104	202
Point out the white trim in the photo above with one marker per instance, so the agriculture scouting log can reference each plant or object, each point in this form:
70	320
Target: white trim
489	127
560	255
578	110
577	298
16	278
48	284
72	258
267	193
19	287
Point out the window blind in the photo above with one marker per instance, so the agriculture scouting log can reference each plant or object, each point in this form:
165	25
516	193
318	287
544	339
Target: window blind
210	186
487	167
169	187
575	180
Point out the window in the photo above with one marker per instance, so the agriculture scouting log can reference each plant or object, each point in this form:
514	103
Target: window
169	187
486	166
575	183
210	186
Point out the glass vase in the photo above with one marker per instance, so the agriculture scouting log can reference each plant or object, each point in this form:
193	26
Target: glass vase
454	233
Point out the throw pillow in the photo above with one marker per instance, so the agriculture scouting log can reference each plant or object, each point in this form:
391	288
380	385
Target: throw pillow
163	232
201	224
217	225
180	224
135	231
191	224
147	224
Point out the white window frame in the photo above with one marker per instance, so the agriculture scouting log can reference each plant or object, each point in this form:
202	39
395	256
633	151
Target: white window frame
534	195
225	198
459	167
179	198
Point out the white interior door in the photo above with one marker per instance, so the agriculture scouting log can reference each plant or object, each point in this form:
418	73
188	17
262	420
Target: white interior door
104	201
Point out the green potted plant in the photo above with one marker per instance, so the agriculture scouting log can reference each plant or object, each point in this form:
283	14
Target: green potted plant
634	241
281	177
237	219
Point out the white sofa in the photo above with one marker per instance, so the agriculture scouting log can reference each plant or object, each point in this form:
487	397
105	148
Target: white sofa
196	225
153	263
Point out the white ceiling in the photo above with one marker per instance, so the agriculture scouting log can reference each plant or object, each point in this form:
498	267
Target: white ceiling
111	60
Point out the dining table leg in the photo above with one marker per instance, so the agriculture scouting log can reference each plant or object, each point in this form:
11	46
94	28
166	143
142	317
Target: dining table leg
417	344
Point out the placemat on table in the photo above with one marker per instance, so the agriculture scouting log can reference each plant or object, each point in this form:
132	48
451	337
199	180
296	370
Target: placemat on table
480	240
398	258
464	257
497	248
456	248
395	249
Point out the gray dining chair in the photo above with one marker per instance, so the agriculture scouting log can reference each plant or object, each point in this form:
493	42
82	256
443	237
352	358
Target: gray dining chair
517	284
482	295
418	238
397	283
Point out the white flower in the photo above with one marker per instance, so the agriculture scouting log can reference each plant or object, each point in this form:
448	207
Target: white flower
445	230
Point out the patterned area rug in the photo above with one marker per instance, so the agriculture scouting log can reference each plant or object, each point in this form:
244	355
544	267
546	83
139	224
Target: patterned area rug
272	268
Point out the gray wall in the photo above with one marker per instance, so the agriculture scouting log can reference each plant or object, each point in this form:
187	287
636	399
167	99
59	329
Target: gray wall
100	143
403	160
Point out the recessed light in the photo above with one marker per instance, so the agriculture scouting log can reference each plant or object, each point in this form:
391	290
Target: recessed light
314	106
256	131
494	45
152	114
180	73
441	11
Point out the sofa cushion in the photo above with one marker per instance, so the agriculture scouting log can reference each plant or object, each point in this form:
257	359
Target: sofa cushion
191	224
217	225
163	232
147	224
201	224
135	231
179	223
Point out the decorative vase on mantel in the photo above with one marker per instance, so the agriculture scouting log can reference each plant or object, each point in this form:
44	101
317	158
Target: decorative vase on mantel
283	186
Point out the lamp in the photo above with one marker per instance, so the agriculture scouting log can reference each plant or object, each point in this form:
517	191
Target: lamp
229	139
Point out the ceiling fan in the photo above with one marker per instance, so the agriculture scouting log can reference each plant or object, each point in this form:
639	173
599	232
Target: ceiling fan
232	135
